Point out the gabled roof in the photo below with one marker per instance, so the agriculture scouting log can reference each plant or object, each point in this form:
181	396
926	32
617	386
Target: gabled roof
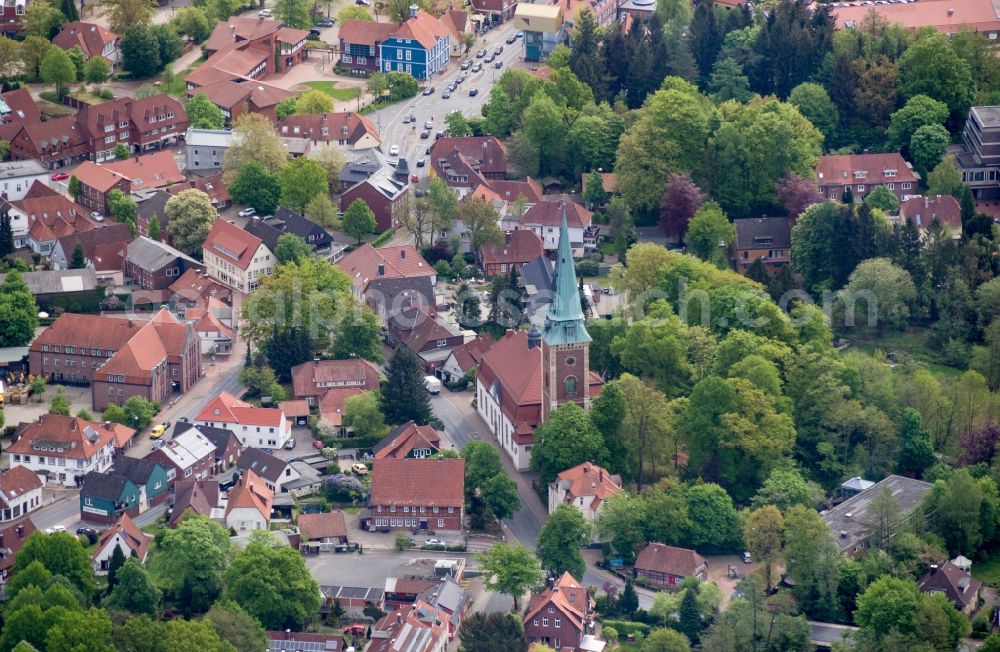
104	485
423	28
50	215
944	15
510	190
763	232
209	323
220	437
261	229
588	480
867	169
149	171
265	465
251	493
227	94
199	496
17	481
135	539
188	449
288	221
78	439
138	470
322	526
488	152
151	255
958	585
519	246
138	357
194	283
226	408
515	372
363	32
850	522
403	439
429	482
549	213
471	353
924	210
669	560
366	264
91	37
345	125
22	106
331	404
115	235
12	538
457	23
232	244
59	133
566	595
420	325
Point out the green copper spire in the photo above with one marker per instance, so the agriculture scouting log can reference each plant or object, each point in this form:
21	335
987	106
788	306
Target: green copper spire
564	322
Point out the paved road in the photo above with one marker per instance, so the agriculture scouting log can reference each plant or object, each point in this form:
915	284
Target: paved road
435	108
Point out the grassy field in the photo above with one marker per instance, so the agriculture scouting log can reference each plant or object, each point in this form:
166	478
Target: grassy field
914	342
342	94
988	570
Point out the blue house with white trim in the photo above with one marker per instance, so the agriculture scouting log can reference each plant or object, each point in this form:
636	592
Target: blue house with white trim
419	47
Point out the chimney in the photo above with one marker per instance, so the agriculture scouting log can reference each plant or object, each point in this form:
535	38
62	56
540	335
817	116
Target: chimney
506	238
414	9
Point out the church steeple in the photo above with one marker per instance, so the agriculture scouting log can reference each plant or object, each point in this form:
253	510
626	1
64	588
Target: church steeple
565	321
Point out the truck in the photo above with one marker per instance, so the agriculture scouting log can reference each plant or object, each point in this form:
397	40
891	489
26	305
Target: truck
432	384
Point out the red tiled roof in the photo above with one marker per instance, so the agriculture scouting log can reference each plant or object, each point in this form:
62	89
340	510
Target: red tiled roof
226	94
236	30
488	151
362	32
549	213
22	106
209	323
331	404
589	480
194	284
92	119
322	526
91	37
483	192
457	23
226	408
398	261
87	332
232	243
132	536
470	354
251	493
72	434
847	169
308	378
566	595
264	95
12	538
214	186
608	181
669	560
518	369
511	190
291	35
944	15
95	176
199	496
924	210
519	247
206	75
139	357
52	216
61	132
299	408
17	481
431	482
422	28
405	438
345	125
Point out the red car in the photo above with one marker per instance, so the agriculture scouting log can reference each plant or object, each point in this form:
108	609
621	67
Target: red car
60	176
317	443
356	630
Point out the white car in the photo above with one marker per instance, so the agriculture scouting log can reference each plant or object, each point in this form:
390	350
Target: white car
54	529
394	150
97	217
247	212
434	542
264	13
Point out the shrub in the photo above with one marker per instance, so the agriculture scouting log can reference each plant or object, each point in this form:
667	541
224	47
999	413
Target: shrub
402	541
626	628
344	488
106	94
588	267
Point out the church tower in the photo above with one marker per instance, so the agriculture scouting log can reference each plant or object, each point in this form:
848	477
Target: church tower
565	341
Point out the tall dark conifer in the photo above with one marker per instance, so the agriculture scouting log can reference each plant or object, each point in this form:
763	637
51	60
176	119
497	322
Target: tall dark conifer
404	396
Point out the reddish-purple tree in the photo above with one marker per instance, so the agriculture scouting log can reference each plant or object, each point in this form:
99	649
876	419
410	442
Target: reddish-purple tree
979	445
680	202
797	194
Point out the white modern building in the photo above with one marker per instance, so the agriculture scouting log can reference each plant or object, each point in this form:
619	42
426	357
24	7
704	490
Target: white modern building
17	176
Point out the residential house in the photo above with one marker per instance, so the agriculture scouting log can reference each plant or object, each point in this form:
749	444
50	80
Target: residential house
420	47
862	173
543	27
384	194
518	248
496	11
103	249
189	455
400	591
283	641
310	380
467	162
972	16
509	393
132	175
562	617
96	184
510	190
202	497
226	443
127	537
195	288
364	165
12	538
149	204
608	181
131	486
586	487
923	211
855	529
20	492
665	567
979	157
249	504
465	357
331	408
954	580
429	336
216	337
235	257
318	532
296	411
236	97
56	143
16	177
768	239
389	279
457	22
62	449
214	186
248	49
417	627
347	129
412	493
273	471
449	598
286	221
92	39
205	149
545	217
153	265
140	124
360	43
255	427
43	216
17	107
408	441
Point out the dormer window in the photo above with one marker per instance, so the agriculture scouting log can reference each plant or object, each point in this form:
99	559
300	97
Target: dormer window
109	128
123	124
860	174
889	173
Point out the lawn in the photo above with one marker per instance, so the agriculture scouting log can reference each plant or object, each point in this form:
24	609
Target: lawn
914	342
988	570
342	94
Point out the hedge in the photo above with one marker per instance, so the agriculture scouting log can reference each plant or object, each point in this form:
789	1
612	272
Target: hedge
626	628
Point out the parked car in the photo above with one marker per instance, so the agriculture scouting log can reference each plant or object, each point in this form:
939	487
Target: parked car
421	162
747	559
357	630
264	13
466	64
446	95
429	90
519	35
247	212
425	134
394	150
480	54
325	22
511	39
157	431
88	532
498	64
429	124
497	50
97	217
290	444
59	176
477	67
434	542
490	58
473	92
433	384
317	443
359	469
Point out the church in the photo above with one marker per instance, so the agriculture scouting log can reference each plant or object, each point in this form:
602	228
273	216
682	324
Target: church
527	375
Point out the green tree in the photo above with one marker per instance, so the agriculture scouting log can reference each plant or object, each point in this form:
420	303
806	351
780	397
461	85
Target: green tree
60	553
203	114
931	67
499	120
74	186
510	569
623	520
883	199
96	70
713	519
193	22
190	217
300	181
42	19
560	541
254	186
762	534
256	141
916	452
359	220
191	560
58	69
689	620
593	189
919	111
234	625
354	12
80	630
32	52
404	396
495	632
887	604
812	560
945	178
123	13
285	108
134	590
665	640
153	231
18	311
890	287
710	233
314	101
140	51
363	413
927	146
784	488
79	260
291	248
170	44
647	424
322	211
586	59
480	218
729	82
358	334
456	125
815	105
544	129
567	438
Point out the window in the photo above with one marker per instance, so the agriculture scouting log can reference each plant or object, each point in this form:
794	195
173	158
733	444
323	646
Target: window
906	185
556	623
570	384
440	522
451	510
399	53
409	55
442	343
545	622
861	187
570	361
